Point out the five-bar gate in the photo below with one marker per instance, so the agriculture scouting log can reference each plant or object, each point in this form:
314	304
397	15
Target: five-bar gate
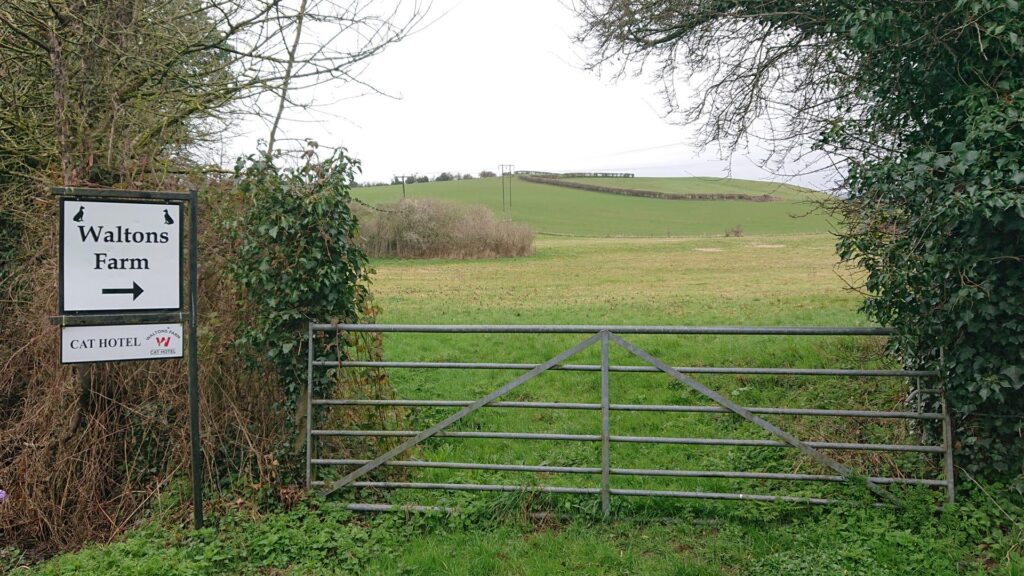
605	337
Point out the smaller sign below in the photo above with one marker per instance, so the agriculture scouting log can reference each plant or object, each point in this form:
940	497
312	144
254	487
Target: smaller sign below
121	342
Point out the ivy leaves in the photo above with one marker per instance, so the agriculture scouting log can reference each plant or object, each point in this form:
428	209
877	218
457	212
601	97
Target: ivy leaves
941	234
297	260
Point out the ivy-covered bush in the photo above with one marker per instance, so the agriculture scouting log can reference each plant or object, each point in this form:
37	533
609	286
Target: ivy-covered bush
936	216
944	252
296	260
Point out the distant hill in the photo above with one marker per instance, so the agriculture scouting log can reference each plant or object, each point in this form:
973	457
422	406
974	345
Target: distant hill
560	210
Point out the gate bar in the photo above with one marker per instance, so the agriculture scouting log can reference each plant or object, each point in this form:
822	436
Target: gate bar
637	408
947	439
628	368
475	487
640	440
594	329
572	490
605	428
309	411
723	496
626	471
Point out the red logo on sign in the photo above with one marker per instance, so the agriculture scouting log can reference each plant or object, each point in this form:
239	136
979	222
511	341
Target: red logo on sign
164	341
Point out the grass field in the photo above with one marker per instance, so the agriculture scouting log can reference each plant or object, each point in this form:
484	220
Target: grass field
769	280
558	210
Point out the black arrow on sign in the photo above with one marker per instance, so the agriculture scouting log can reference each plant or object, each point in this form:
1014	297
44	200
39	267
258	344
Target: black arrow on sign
135	290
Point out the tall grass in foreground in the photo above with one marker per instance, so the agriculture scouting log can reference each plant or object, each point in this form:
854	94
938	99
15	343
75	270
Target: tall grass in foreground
428	228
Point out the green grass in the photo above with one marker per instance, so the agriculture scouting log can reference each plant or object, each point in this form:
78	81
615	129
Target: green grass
766	281
316	538
773	280
558	210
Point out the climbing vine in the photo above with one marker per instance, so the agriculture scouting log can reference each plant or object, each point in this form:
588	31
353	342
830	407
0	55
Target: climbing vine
296	260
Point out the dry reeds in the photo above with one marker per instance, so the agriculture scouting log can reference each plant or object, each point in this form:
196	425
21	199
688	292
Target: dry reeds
85	450
428	228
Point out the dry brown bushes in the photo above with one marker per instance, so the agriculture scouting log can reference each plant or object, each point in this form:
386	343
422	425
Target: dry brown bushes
109	93
428	228
85	451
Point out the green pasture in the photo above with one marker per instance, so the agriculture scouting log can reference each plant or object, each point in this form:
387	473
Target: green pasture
558	210
764	280
777	280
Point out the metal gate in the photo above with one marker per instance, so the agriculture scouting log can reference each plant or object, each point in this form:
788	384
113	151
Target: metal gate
604	337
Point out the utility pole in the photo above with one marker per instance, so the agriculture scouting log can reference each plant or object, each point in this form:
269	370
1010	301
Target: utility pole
502	170
403	177
509	170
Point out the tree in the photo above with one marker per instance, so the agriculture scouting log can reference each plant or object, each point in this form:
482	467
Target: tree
921	105
131	94
123	86
444	177
487	174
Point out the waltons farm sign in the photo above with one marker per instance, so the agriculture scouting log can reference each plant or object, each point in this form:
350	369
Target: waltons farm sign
120	256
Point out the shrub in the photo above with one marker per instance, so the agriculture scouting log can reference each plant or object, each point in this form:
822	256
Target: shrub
298	262
84	449
427	228
939	229
734	232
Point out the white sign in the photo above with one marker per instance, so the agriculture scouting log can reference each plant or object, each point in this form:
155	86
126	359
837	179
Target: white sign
123	342
120	256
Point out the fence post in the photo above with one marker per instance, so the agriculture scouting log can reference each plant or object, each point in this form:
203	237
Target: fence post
309	409
947	430
605	427
947	442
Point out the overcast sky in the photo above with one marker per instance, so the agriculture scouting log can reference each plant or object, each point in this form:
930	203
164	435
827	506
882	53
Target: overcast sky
491	82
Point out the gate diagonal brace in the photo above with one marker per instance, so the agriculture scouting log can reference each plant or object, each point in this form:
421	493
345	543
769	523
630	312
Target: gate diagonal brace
772	429
397	450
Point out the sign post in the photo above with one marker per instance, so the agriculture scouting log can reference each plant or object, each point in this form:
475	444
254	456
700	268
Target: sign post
120	286
193	358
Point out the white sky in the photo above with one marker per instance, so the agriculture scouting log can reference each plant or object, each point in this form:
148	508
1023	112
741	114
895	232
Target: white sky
492	82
